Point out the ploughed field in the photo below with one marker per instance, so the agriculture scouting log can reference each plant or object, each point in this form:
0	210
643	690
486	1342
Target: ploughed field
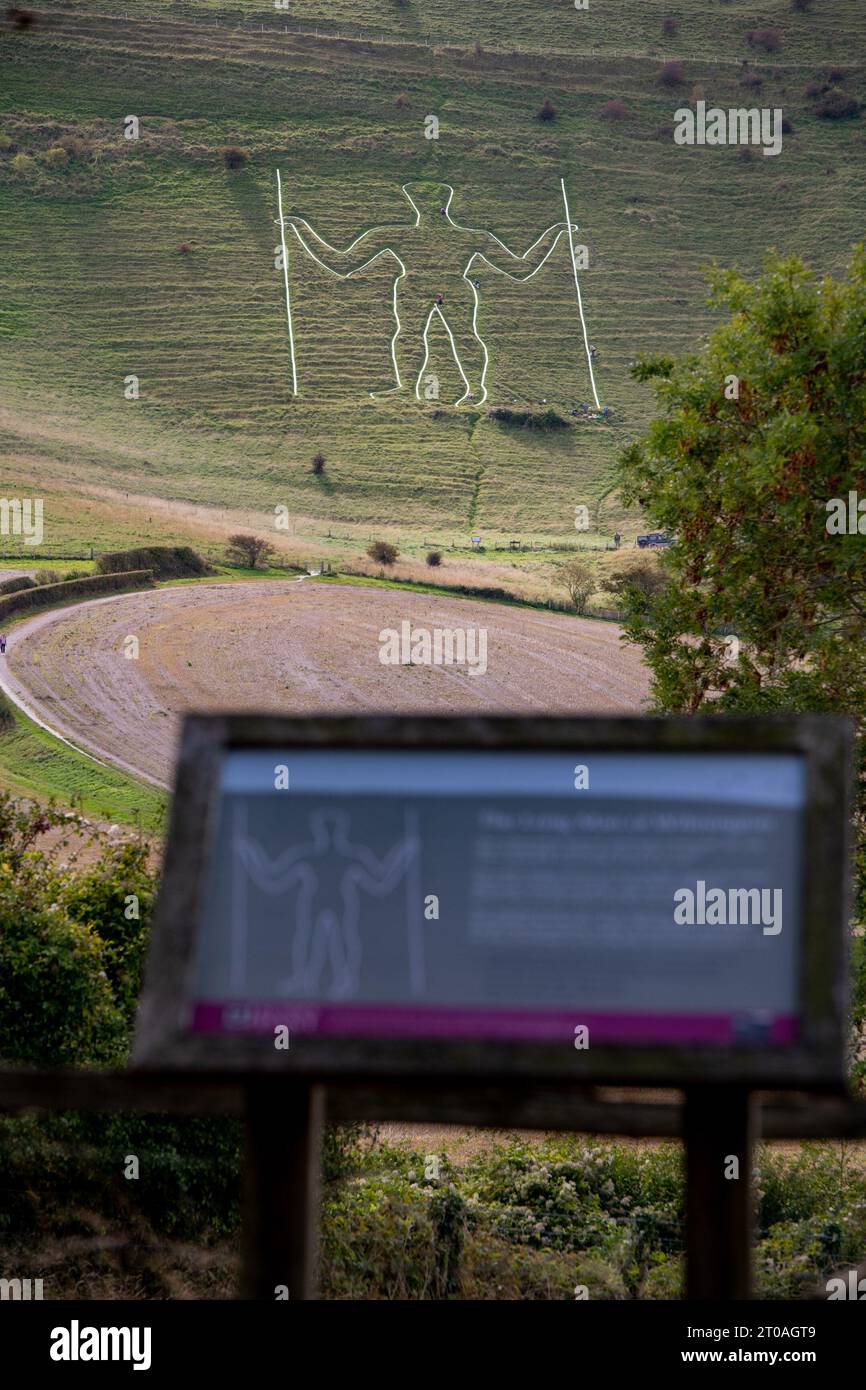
297	646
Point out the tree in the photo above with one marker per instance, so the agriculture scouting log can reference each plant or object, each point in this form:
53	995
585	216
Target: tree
434	558
578	580
248	550
547	110
234	157
383	552
318	464
641	579
760	441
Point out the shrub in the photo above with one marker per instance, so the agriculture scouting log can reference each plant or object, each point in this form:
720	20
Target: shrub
751	79
643	578
48	576
12	586
815	89
24	166
578	580
787	126
800	4
402	99
248	550
76	147
745	153
547	111
671	75
7	145
318	464
20	19
7	718
56	156
166	561
528	419
835	106
768	39
72	589
383	552
434	558
670	26
185	248
615	111
234	157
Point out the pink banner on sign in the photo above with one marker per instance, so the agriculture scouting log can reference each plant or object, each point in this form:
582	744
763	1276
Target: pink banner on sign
396	1021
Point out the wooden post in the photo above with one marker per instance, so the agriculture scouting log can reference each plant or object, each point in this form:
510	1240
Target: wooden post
281	1188
718	1127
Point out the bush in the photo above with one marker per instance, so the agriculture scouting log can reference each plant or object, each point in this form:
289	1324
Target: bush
578	580
671	75
248	550
7	717
12	586
434	558
166	562
383	552
641	579
528	419
547	111
56	156
615	111
835	106
670	26
768	39
20	19
43	594
318	464
24	166
752	80
800	4
401	100
185	248
76	147
234	157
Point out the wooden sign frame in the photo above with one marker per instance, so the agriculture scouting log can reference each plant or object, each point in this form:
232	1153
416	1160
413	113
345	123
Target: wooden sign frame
815	1060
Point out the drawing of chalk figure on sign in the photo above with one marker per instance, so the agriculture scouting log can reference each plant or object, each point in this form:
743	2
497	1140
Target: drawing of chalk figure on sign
436	264
326	877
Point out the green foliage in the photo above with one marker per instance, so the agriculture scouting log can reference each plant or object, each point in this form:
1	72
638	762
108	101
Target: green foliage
164	561
70	960
71	589
756	437
383	552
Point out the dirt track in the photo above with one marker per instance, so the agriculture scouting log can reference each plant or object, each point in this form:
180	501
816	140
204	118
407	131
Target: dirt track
296	647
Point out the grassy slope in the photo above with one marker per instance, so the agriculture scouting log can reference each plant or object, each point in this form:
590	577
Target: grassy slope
33	764
100	290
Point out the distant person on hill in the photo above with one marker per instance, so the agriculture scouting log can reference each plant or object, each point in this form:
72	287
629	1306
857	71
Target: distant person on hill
2	644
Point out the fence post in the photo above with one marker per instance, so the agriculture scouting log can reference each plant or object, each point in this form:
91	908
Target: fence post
718	1127
281	1188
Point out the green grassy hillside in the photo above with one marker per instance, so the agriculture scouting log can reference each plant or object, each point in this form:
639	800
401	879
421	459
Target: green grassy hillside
99	287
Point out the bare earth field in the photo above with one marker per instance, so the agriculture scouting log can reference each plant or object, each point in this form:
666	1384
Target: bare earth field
294	646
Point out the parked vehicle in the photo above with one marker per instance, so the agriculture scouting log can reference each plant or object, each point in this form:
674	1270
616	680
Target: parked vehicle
653	539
